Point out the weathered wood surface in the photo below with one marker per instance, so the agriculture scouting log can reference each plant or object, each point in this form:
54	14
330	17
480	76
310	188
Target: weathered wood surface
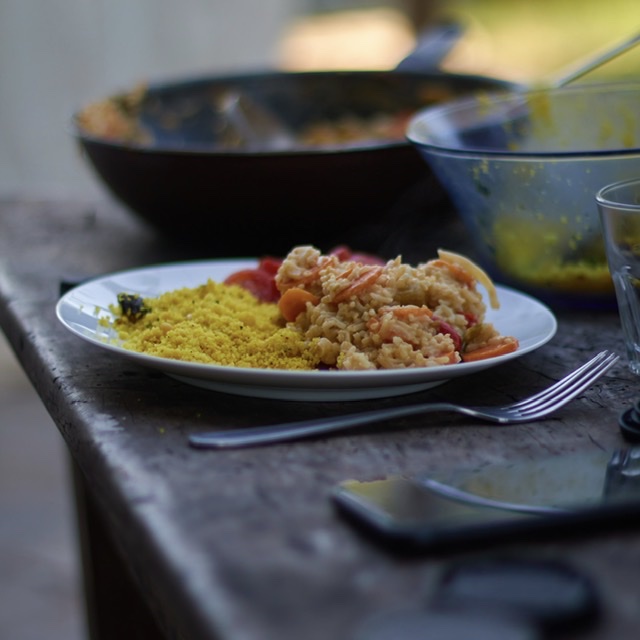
245	545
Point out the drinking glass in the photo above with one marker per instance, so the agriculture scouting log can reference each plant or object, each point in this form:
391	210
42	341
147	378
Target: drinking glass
619	209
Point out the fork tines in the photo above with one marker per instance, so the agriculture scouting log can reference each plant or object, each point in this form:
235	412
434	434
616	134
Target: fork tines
571	385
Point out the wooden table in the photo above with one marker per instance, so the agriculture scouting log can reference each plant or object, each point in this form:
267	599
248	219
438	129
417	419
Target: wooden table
245	544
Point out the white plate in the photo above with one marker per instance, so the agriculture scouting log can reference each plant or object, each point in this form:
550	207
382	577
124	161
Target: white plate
532	323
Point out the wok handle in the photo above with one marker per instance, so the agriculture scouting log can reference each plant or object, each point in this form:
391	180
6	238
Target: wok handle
434	43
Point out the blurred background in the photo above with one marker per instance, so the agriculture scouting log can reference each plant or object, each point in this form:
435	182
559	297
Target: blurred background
56	56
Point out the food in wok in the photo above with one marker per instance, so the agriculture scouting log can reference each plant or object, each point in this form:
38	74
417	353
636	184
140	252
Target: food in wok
307	171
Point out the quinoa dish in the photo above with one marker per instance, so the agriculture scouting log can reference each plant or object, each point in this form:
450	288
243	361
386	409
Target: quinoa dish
314	311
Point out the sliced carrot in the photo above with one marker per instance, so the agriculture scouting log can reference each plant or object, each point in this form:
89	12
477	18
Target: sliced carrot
309	276
347	270
456	271
452	357
294	301
508	345
365	280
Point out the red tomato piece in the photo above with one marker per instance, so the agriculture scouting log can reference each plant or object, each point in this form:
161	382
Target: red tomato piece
367	258
344	253
258	282
446	328
471	319
270	264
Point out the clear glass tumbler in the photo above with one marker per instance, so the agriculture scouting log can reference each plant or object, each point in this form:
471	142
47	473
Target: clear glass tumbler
619	208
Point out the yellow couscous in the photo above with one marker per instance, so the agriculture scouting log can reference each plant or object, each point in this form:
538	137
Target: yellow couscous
216	324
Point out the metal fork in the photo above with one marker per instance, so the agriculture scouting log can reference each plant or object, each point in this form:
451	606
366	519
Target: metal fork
532	408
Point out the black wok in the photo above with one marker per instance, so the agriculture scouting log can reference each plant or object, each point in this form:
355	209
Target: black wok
250	202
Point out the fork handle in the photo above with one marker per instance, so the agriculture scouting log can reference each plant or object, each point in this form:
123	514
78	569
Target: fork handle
304	428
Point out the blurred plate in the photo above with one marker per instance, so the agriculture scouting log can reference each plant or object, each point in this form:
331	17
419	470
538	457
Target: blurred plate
531	322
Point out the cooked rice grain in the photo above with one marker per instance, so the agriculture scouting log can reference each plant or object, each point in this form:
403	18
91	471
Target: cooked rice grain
399	316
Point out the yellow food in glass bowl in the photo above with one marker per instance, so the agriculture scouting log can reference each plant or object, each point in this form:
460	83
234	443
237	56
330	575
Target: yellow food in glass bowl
550	255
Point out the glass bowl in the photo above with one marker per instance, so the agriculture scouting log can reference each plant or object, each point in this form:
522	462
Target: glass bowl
523	168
